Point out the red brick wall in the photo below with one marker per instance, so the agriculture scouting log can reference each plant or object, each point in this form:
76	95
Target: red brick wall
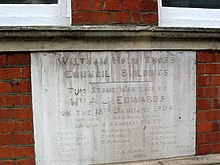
114	11
16	131
208	102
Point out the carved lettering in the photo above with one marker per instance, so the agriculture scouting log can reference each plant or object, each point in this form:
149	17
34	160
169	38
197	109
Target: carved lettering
97	107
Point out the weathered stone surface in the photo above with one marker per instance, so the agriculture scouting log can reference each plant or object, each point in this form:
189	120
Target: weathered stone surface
213	159
104	37
194	160
105	107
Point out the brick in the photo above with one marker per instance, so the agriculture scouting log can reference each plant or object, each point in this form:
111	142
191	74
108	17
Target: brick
5	139
212	115
204	80
3	59
27	126
26	162
112	5
11	152
200	116
18	59
21	86
25	72
20	113
81	5
5	87
29	151
204	104
91	17
216	57
7	162
136	5
150	5
212	138
215	80
201	92
200	139
204	56
150	18
26	99
23	138
216	103
121	17
136	17
10	127
9	73
216	148
24	113
203	149
212	68
212	92
200	68
140	5
10	101
216	126
204	127
97	5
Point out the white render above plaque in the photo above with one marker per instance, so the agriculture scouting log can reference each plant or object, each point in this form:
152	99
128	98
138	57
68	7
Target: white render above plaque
113	106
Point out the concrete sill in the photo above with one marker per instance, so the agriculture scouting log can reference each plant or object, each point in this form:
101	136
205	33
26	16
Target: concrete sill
106	31
107	37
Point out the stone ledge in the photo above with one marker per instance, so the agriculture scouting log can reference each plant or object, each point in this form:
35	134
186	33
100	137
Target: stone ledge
106	31
107	37
191	160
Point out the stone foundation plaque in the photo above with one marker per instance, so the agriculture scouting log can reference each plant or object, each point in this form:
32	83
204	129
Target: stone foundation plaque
113	106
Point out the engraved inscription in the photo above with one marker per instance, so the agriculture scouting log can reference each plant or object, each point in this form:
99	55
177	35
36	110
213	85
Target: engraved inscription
105	107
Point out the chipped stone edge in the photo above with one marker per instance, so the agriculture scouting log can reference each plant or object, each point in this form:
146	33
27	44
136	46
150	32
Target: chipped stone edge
213	159
107	37
105	31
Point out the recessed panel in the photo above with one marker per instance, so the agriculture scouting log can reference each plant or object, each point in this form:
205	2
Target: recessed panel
113	106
